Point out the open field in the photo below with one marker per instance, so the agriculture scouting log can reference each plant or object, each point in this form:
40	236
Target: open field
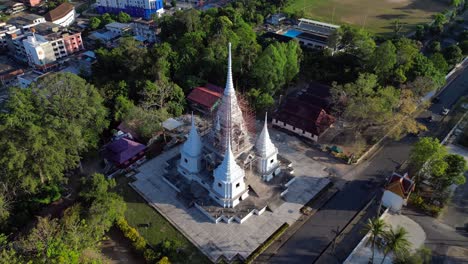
376	15
139	212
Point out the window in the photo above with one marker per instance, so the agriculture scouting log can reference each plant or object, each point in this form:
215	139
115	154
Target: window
186	161
237	185
219	184
272	160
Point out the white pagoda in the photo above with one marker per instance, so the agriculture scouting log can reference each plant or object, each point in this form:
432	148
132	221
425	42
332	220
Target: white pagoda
213	162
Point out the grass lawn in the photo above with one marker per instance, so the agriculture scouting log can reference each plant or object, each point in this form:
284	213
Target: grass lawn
375	15
139	212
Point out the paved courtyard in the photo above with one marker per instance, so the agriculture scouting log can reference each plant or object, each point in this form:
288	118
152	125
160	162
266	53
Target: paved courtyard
229	240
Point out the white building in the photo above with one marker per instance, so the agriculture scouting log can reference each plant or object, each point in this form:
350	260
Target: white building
26	21
39	50
63	15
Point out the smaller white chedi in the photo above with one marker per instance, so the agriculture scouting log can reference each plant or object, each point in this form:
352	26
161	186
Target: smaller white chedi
267	160
191	153
228	185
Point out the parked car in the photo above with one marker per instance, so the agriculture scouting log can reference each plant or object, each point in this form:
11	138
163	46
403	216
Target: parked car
445	111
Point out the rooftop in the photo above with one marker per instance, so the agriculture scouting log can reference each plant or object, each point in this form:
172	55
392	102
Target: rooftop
59	12
204	96
122	150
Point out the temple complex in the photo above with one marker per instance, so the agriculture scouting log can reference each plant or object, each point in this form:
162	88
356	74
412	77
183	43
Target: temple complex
227	174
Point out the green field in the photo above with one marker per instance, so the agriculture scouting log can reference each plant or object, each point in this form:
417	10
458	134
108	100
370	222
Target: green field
139	212
377	16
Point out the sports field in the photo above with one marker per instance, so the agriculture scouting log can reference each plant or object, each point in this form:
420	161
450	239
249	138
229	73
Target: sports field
376	16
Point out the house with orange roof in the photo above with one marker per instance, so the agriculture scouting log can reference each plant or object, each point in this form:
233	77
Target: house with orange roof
397	191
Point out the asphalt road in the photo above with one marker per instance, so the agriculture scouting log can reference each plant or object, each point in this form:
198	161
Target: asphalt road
306	245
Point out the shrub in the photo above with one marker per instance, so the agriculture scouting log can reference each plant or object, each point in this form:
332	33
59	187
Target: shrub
150	255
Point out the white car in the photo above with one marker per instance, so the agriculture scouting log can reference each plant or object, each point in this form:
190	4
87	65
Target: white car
445	111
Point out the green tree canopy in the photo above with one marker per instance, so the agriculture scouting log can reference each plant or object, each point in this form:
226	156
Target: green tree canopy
47	127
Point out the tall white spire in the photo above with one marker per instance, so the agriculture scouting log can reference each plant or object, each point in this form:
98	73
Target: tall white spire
229	90
264	145
231	118
193	145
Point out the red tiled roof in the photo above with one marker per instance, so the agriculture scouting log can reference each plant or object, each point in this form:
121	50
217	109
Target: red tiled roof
406	183
11	74
204	96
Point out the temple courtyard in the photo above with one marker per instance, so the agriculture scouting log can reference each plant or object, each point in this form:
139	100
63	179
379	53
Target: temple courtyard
233	239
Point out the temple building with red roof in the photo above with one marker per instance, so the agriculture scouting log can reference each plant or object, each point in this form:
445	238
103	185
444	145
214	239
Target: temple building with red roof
397	191
205	99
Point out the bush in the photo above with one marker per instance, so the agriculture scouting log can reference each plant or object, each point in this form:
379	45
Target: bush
433	210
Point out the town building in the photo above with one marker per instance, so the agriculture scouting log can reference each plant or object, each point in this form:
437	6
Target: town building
24	80
26	21
145	29
31	3
4	29
119	29
49	44
15	8
397	191
205	99
143	8
63	15
223	167
276	19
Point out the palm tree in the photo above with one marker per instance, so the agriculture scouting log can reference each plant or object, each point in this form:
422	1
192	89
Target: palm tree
376	228
396	241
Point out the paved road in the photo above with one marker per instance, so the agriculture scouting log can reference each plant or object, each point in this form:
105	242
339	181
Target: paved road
318	232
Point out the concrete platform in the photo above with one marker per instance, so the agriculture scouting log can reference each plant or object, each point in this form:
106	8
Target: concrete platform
231	240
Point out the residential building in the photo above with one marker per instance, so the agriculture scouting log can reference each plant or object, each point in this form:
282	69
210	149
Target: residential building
26	21
205	99
140	8
16	8
31	3
4	29
119	29
15	45
276	19
49	44
145	29
9	78
24	80
63	15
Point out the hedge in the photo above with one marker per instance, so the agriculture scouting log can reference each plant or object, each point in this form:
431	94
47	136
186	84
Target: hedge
267	243
138	242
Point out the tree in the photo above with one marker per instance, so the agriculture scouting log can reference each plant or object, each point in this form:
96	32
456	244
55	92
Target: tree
106	18
4	208
396	242
420	32
439	62
365	102
428	155
376	228
95	23
453	172
384	59
123	17
435	47
163	94
453	54
357	42
47	127
464	47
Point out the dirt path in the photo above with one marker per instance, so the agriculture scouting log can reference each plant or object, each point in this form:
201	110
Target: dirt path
117	249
